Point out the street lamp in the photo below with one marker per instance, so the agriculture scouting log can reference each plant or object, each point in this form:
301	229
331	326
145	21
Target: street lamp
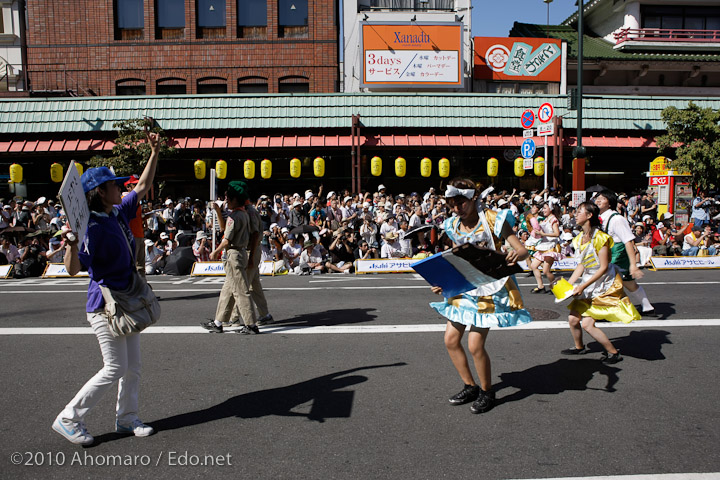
548	2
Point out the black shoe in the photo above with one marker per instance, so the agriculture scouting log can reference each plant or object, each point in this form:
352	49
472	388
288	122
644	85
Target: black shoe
538	290
466	395
611	358
649	313
266	320
484	402
248	330
212	327
575	351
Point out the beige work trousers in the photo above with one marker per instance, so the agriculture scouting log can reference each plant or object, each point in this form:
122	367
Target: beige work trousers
257	295
236	290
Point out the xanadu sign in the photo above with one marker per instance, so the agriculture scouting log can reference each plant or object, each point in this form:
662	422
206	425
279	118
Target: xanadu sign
518	59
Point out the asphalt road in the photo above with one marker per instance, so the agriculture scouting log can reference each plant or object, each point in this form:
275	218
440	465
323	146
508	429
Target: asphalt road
352	383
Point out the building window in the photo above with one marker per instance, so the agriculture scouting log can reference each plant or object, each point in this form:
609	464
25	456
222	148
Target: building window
130	86
209	85
210	18
294	85
129	19
169	19
293	19
680	18
252	85
171	86
252	18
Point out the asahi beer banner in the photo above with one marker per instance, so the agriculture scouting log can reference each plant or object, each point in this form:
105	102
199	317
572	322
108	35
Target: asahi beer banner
498	58
57	270
683	263
411	54
384	265
566	264
217	268
5	271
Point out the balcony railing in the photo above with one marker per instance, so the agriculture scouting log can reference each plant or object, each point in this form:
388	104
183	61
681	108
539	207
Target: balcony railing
666	35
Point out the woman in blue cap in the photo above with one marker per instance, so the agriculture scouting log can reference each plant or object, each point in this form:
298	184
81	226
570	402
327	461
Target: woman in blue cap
107	254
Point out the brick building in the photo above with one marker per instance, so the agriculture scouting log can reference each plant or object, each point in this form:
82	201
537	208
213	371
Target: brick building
158	47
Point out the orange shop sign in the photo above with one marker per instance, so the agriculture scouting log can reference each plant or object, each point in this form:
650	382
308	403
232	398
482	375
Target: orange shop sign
411	54
535	59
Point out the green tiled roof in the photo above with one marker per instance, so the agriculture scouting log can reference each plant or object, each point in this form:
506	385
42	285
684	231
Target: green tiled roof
597	48
326	112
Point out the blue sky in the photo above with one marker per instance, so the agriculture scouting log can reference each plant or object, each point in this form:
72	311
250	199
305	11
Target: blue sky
495	18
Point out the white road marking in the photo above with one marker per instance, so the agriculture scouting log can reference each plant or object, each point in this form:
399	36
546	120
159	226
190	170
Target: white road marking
345	329
654	476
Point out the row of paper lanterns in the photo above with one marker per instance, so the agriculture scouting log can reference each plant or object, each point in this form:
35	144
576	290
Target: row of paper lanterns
519	169
56	172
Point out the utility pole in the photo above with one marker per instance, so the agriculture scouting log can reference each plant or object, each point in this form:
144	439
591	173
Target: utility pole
579	152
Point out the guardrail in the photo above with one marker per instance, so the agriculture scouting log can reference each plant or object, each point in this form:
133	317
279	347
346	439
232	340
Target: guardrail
666	35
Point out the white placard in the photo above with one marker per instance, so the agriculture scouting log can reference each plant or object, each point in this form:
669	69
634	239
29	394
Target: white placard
72	198
269	267
208	269
403	66
57	270
685	263
384	265
566	264
528	163
528	133
5	270
546	129
578	197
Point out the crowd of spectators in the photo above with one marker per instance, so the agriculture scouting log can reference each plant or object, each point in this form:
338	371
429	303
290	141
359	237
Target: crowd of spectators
319	232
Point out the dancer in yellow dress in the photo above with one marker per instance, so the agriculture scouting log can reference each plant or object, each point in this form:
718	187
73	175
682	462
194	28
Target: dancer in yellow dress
600	294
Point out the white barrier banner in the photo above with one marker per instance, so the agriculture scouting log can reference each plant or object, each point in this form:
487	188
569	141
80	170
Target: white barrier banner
682	263
208	268
565	264
5	270
57	270
269	267
384	265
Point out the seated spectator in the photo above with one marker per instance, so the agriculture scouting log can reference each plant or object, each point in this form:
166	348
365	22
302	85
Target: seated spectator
9	249
56	252
32	260
695	240
369	231
566	247
201	247
642	244
391	248
662	241
404	239
365	252
291	253
341	252
154	258
311	259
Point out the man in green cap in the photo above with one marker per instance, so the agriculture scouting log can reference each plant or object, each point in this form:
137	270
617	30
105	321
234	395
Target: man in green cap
235	241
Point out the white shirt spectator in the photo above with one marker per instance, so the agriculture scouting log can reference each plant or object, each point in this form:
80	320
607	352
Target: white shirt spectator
391	249
291	253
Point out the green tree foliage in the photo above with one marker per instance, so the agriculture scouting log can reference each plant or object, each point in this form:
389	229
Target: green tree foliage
131	151
696	132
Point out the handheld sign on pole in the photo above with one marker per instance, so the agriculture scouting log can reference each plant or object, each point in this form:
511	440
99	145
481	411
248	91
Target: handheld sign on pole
72	198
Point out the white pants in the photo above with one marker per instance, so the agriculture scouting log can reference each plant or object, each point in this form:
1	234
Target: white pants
121	358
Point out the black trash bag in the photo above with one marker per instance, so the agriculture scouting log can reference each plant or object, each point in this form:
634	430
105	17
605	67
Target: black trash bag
179	262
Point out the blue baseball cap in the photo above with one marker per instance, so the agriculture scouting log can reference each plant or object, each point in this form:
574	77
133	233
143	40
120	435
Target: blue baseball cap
97	176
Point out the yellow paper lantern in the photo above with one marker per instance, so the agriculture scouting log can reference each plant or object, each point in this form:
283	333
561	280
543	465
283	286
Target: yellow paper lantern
425	167
518	167
221	169
539	166
16	173
319	167
444	167
295	167
400	167
492	167
376	166
249	169
79	168
56	172
266	169
199	169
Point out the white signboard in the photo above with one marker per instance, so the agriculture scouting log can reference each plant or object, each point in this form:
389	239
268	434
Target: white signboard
56	270
384	265
73	202
5	270
685	263
402	66
528	163
546	129
272	268
566	264
208	268
578	197
528	133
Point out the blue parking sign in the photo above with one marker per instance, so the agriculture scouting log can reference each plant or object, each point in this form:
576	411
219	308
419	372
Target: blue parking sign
528	148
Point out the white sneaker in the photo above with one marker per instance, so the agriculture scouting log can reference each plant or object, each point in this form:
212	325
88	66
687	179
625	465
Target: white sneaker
137	428
75	432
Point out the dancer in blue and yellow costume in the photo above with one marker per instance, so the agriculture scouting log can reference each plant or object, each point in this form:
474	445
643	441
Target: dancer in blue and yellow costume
600	294
497	304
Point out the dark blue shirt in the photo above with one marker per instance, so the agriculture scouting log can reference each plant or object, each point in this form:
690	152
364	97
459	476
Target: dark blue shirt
105	253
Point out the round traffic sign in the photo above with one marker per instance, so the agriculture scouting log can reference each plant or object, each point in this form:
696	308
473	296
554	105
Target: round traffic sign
545	112
528	118
527	148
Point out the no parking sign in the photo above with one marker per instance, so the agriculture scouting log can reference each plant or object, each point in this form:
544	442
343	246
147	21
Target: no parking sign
527	119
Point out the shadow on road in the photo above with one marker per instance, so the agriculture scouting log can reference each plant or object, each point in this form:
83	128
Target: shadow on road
664	310
642	344
199	296
323	395
327	318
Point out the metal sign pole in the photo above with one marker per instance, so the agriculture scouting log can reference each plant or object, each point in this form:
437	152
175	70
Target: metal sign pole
212	201
546	164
